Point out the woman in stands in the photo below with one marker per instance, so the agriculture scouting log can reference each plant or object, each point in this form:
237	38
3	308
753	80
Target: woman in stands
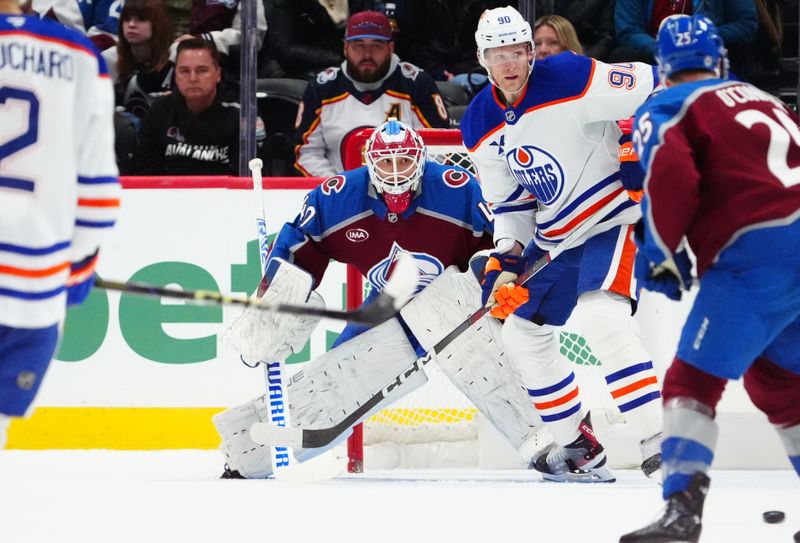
553	34
143	68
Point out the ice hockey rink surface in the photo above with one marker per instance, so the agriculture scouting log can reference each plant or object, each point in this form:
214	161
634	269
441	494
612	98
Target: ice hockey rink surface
175	496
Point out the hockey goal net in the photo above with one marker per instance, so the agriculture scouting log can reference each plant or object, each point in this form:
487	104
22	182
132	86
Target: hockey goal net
436	425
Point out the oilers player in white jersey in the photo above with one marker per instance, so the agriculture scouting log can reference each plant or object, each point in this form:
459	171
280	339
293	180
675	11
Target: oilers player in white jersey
401	202
543	139
59	192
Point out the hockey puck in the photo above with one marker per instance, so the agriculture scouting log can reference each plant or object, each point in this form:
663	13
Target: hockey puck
774	517
797	537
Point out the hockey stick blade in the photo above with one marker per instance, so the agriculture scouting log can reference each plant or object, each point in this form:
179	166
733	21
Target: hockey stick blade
398	290
320	437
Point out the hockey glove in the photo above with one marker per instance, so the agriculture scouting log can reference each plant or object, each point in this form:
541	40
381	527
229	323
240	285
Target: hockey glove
498	289
80	280
631	173
668	277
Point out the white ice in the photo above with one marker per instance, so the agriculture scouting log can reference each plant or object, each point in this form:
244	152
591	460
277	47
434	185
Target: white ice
175	496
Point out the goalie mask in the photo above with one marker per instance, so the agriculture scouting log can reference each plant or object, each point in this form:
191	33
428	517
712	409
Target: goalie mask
503	27
395	156
688	42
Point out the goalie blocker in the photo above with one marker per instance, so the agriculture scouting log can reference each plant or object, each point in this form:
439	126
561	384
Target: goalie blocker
336	383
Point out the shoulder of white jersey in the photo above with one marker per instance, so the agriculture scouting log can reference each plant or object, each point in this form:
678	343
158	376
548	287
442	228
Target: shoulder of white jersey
558	78
408	70
483	116
328	80
665	109
51	31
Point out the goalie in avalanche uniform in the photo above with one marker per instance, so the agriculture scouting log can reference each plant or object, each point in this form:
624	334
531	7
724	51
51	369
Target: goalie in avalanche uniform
544	140
740	213
398	203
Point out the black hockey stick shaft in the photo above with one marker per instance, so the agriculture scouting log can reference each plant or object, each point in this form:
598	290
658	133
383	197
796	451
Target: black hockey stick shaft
320	437
384	307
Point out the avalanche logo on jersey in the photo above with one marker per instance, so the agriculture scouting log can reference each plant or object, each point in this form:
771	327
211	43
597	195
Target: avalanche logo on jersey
537	171
429	268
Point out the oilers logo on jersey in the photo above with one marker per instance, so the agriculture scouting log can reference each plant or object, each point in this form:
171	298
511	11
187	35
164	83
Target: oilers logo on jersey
429	268
537	171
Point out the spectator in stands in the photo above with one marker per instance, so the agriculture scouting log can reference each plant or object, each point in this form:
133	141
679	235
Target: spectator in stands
221	22
553	34
179	12
140	61
370	86
593	21
98	19
439	36
637	23
193	131
305	36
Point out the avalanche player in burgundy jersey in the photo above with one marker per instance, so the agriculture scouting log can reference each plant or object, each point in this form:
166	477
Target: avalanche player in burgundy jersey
545	143
722	170
366	216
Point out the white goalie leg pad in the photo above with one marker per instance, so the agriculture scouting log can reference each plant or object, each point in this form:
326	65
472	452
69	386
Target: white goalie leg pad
267	335
614	337
323	393
475	362
335	384
252	460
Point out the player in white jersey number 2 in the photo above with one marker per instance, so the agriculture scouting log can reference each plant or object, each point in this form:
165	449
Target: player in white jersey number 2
544	140
59	192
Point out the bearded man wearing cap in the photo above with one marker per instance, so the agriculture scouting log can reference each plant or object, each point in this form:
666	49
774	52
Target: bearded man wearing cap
369	87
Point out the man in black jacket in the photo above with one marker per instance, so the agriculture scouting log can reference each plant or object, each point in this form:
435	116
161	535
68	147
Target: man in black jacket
194	131
305	36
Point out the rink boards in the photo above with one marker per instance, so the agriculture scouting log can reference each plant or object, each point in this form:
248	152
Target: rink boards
138	373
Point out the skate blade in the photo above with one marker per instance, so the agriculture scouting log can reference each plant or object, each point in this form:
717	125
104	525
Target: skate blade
595	475
314	470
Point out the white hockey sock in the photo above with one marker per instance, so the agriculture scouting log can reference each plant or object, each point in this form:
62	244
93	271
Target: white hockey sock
615	339
548	376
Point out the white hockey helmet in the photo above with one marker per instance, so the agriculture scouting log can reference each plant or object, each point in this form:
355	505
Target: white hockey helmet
499	27
395	155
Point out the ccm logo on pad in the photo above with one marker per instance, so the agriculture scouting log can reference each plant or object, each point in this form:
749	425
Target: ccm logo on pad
357	234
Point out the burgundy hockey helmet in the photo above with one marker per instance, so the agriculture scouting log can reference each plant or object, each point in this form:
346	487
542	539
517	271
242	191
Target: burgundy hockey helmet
395	156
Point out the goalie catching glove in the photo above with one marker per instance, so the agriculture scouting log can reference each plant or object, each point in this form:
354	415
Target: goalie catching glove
498	290
266	335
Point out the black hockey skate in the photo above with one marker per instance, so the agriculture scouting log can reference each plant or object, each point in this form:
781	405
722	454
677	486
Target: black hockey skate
582	461
681	519
231	474
651	455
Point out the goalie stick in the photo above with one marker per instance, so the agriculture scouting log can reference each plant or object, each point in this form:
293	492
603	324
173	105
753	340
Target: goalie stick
320	437
285	466
398	290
